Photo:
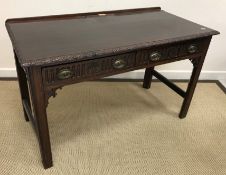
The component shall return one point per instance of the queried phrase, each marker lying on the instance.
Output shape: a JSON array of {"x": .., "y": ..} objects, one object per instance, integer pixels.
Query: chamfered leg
[
  {"x": 23, "y": 86},
  {"x": 197, "y": 63},
  {"x": 148, "y": 77},
  {"x": 39, "y": 107}
]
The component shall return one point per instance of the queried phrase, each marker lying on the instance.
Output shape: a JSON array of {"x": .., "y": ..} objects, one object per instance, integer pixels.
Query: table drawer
[
  {"x": 167, "y": 52},
  {"x": 90, "y": 68}
]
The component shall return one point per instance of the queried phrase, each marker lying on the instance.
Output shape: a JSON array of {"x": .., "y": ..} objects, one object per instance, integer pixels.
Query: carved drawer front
[
  {"x": 90, "y": 68},
  {"x": 167, "y": 52}
]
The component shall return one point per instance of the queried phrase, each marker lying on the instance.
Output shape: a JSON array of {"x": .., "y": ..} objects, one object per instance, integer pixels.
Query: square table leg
[
  {"x": 23, "y": 86},
  {"x": 40, "y": 115},
  {"x": 148, "y": 77},
  {"x": 191, "y": 88},
  {"x": 197, "y": 67}
]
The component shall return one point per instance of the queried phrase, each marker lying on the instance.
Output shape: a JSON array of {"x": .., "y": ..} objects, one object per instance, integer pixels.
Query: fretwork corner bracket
[
  {"x": 195, "y": 61},
  {"x": 51, "y": 92}
]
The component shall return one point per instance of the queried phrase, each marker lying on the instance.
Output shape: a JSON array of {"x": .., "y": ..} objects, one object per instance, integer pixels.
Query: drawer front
[
  {"x": 85, "y": 69},
  {"x": 68, "y": 73},
  {"x": 168, "y": 52}
]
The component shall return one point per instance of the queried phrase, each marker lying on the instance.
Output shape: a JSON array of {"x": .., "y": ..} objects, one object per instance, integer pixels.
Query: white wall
[{"x": 206, "y": 12}]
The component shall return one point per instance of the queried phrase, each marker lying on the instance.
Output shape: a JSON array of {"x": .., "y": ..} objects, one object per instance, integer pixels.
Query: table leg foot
[{"x": 47, "y": 164}]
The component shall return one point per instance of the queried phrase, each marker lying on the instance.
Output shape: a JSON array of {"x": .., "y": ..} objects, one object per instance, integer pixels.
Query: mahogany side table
[{"x": 54, "y": 51}]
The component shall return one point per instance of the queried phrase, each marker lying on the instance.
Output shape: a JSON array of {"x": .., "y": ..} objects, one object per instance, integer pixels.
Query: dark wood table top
[{"x": 66, "y": 38}]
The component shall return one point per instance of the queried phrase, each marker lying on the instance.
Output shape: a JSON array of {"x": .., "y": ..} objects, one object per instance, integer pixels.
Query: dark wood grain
[
  {"x": 170, "y": 84},
  {"x": 148, "y": 77},
  {"x": 97, "y": 68},
  {"x": 39, "y": 106},
  {"x": 83, "y": 15},
  {"x": 197, "y": 67},
  {"x": 23, "y": 86},
  {"x": 66, "y": 39}
]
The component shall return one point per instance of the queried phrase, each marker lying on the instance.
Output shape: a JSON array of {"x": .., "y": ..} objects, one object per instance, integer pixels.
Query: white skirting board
[
  {"x": 139, "y": 74},
  {"x": 8, "y": 73},
  {"x": 175, "y": 75}
]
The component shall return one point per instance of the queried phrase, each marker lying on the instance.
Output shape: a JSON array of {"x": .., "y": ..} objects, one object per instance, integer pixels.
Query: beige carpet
[{"x": 109, "y": 128}]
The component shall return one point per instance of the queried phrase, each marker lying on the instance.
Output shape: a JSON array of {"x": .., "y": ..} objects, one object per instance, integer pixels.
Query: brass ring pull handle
[
  {"x": 155, "y": 56},
  {"x": 119, "y": 64},
  {"x": 192, "y": 48},
  {"x": 64, "y": 74}
]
